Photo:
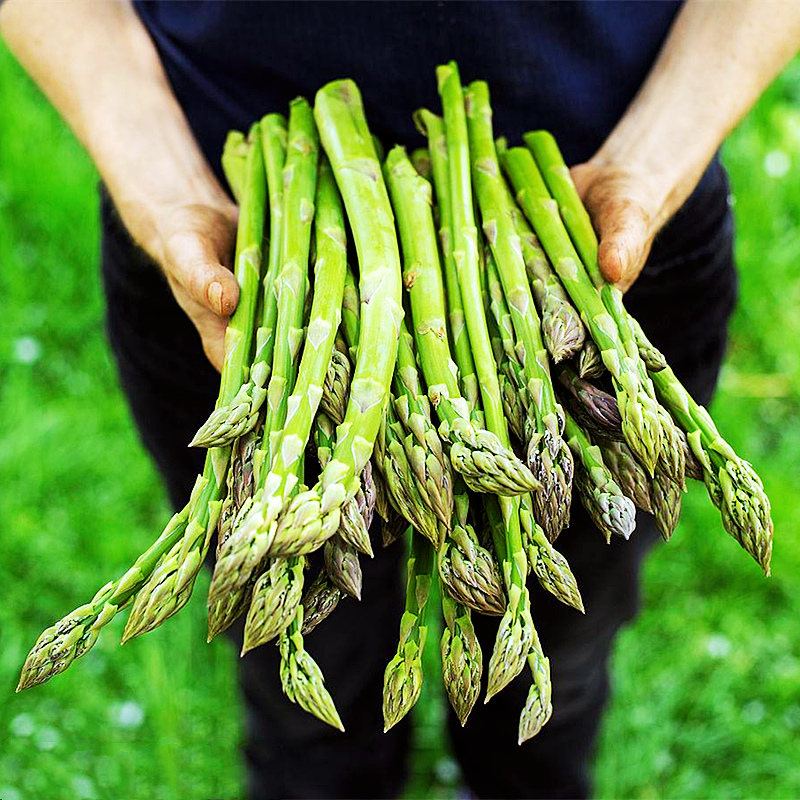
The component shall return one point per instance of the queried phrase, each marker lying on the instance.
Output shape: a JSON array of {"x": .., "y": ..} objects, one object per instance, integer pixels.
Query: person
[{"x": 640, "y": 97}]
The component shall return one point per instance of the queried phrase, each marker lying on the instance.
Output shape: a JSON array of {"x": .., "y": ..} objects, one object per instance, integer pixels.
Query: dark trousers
[{"x": 683, "y": 300}]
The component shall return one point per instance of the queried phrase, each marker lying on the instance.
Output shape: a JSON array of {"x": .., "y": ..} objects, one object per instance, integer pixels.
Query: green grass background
[{"x": 706, "y": 681}]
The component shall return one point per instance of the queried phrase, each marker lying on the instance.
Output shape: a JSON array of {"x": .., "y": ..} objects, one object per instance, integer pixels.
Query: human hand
[
  {"x": 194, "y": 245},
  {"x": 627, "y": 210}
]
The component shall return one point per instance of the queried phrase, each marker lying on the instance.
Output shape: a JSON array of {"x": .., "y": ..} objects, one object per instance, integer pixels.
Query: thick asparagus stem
[{"x": 313, "y": 516}]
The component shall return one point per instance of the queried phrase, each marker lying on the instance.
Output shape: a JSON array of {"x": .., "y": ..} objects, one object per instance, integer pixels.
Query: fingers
[{"x": 198, "y": 250}]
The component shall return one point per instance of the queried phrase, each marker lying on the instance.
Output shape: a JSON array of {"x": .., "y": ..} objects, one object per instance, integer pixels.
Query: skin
[
  {"x": 718, "y": 58},
  {"x": 92, "y": 57}
]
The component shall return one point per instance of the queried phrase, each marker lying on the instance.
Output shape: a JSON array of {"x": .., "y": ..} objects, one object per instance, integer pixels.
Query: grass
[{"x": 706, "y": 701}]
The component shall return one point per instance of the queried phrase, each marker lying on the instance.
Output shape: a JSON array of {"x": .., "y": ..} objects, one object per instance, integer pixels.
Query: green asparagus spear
[
  {"x": 291, "y": 408},
  {"x": 301, "y": 677},
  {"x": 432, "y": 126},
  {"x": 610, "y": 510},
  {"x": 402, "y": 679},
  {"x": 516, "y": 627},
  {"x": 75, "y": 634},
  {"x": 467, "y": 570},
  {"x": 578, "y": 224},
  {"x": 241, "y": 414},
  {"x": 548, "y": 455},
  {"x": 319, "y": 602},
  {"x": 484, "y": 462},
  {"x": 313, "y": 516},
  {"x": 640, "y": 421},
  {"x": 462, "y": 659}
]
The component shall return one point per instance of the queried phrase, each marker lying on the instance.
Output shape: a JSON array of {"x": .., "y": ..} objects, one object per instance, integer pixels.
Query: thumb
[
  {"x": 624, "y": 230},
  {"x": 197, "y": 255}
]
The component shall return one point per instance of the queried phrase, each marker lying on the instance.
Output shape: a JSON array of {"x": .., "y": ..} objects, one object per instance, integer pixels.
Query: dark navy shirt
[{"x": 570, "y": 67}]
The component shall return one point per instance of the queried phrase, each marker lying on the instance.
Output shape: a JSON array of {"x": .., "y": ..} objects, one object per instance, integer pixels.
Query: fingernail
[{"x": 215, "y": 296}]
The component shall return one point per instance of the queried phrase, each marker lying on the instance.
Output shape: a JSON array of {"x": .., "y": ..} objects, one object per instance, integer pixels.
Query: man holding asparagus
[{"x": 640, "y": 96}]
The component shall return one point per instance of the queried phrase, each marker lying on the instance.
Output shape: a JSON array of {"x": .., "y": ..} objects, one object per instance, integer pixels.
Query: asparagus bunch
[{"x": 320, "y": 361}]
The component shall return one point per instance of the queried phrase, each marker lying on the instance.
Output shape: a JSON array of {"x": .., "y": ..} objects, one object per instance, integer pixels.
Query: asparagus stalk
[
  {"x": 563, "y": 331},
  {"x": 550, "y": 567},
  {"x": 640, "y": 421},
  {"x": 301, "y": 677},
  {"x": 548, "y": 455},
  {"x": 234, "y": 160},
  {"x": 538, "y": 705},
  {"x": 291, "y": 408},
  {"x": 552, "y": 508},
  {"x": 578, "y": 224},
  {"x": 590, "y": 362},
  {"x": 731, "y": 482},
  {"x": 424, "y": 448},
  {"x": 462, "y": 659},
  {"x": 351, "y": 312},
  {"x": 432, "y": 126},
  {"x": 481, "y": 458},
  {"x": 313, "y": 516},
  {"x": 407, "y": 495},
  {"x": 612, "y": 512},
  {"x": 336, "y": 386},
  {"x": 667, "y": 497},
  {"x": 402, "y": 679},
  {"x": 356, "y": 512},
  {"x": 241, "y": 414},
  {"x": 343, "y": 566},
  {"x": 75, "y": 634},
  {"x": 170, "y": 585},
  {"x": 275, "y": 598},
  {"x": 516, "y": 627},
  {"x": 421, "y": 159}
]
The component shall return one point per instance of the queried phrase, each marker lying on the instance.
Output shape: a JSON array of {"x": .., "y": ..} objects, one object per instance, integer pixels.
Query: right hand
[{"x": 194, "y": 245}]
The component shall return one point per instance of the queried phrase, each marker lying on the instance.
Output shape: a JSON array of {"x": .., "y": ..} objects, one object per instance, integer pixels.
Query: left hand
[{"x": 627, "y": 210}]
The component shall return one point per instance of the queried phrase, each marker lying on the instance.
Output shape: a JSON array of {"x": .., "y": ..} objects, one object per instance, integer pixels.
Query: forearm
[
  {"x": 718, "y": 58},
  {"x": 97, "y": 65}
]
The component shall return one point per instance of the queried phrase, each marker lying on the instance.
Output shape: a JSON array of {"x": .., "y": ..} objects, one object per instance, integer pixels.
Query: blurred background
[{"x": 706, "y": 699}]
